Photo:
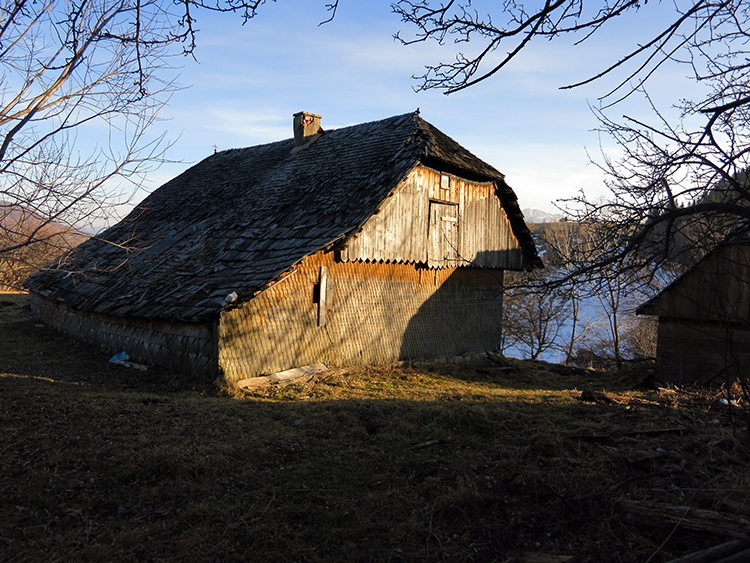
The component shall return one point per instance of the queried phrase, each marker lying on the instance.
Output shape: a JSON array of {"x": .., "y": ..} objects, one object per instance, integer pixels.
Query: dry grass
[{"x": 102, "y": 463}]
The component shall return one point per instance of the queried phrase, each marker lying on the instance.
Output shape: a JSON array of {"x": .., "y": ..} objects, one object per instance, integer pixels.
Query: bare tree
[
  {"x": 533, "y": 316},
  {"x": 609, "y": 328},
  {"x": 639, "y": 337},
  {"x": 567, "y": 244},
  {"x": 72, "y": 72},
  {"x": 612, "y": 294},
  {"x": 512, "y": 25},
  {"x": 659, "y": 206},
  {"x": 676, "y": 192}
]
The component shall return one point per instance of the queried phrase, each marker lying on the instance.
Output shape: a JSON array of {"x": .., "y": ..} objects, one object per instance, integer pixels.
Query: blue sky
[{"x": 249, "y": 80}]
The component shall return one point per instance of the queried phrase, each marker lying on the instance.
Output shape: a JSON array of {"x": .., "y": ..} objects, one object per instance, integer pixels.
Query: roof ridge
[{"x": 240, "y": 218}]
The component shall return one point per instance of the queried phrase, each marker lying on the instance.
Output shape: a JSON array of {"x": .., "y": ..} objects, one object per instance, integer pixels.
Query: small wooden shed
[
  {"x": 366, "y": 244},
  {"x": 704, "y": 318}
]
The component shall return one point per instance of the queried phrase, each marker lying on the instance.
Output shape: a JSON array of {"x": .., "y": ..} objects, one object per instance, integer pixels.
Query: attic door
[{"x": 442, "y": 235}]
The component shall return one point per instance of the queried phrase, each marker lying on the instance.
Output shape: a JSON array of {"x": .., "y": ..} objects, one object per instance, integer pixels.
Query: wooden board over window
[
  {"x": 445, "y": 187},
  {"x": 442, "y": 235}
]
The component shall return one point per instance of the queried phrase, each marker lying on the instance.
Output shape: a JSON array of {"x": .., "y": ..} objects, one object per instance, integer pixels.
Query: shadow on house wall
[
  {"x": 375, "y": 313},
  {"x": 464, "y": 314}
]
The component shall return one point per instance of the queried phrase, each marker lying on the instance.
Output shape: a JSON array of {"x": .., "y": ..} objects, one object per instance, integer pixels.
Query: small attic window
[{"x": 445, "y": 186}]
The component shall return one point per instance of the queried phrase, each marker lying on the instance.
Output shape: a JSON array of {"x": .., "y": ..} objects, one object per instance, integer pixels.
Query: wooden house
[
  {"x": 704, "y": 319},
  {"x": 365, "y": 244}
]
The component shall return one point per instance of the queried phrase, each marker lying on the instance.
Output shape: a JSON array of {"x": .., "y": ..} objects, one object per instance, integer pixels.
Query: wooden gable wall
[
  {"x": 441, "y": 220},
  {"x": 716, "y": 289}
]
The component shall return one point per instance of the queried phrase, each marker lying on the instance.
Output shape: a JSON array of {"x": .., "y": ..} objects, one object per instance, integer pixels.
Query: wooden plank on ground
[{"x": 282, "y": 377}]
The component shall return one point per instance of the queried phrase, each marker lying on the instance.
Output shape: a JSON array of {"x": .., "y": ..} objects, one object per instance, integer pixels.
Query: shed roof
[{"x": 241, "y": 218}]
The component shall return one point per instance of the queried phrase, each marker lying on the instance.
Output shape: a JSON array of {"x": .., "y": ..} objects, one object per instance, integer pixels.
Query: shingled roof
[{"x": 241, "y": 218}]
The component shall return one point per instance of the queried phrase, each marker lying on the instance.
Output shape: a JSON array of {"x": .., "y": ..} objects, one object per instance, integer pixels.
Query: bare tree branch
[{"x": 69, "y": 66}]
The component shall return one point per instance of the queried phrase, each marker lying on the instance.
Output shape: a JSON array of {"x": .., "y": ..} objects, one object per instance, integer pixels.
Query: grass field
[{"x": 103, "y": 463}]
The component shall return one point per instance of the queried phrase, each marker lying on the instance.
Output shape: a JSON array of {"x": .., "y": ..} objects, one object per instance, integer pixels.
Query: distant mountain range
[
  {"x": 40, "y": 240},
  {"x": 539, "y": 216},
  {"x": 16, "y": 223}
]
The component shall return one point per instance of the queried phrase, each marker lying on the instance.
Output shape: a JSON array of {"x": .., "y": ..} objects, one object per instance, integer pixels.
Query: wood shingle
[{"x": 241, "y": 218}]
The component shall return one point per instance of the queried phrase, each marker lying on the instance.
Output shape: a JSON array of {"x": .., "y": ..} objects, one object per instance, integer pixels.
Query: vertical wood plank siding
[
  {"x": 184, "y": 347},
  {"x": 704, "y": 320},
  {"x": 375, "y": 313},
  {"x": 703, "y": 353},
  {"x": 399, "y": 231}
]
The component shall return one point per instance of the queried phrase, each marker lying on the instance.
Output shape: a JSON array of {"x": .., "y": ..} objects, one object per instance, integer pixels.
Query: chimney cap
[
  {"x": 308, "y": 113},
  {"x": 306, "y": 128}
]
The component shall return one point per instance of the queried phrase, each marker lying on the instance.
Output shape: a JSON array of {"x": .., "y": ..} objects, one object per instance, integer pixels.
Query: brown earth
[{"x": 527, "y": 462}]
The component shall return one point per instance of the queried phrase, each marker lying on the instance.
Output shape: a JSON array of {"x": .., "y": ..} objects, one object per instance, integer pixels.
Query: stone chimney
[{"x": 306, "y": 128}]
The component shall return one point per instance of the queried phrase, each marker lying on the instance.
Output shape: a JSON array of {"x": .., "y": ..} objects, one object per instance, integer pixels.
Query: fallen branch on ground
[
  {"x": 713, "y": 554},
  {"x": 661, "y": 515}
]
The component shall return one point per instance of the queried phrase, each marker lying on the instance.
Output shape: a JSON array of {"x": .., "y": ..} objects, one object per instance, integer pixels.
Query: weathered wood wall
[
  {"x": 440, "y": 220},
  {"x": 371, "y": 313},
  {"x": 716, "y": 289},
  {"x": 184, "y": 347},
  {"x": 704, "y": 320},
  {"x": 701, "y": 352}
]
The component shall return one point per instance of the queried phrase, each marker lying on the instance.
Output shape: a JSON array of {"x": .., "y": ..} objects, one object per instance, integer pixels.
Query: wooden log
[
  {"x": 655, "y": 432},
  {"x": 741, "y": 557},
  {"x": 711, "y": 554},
  {"x": 533, "y": 557},
  {"x": 664, "y": 515},
  {"x": 296, "y": 373}
]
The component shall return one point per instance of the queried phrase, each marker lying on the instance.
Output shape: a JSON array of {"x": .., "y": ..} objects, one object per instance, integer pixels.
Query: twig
[
  {"x": 433, "y": 534},
  {"x": 655, "y": 432},
  {"x": 693, "y": 489},
  {"x": 273, "y": 497},
  {"x": 630, "y": 434},
  {"x": 425, "y": 444},
  {"x": 674, "y": 529},
  {"x": 627, "y": 481},
  {"x": 678, "y": 390},
  {"x": 717, "y": 478}
]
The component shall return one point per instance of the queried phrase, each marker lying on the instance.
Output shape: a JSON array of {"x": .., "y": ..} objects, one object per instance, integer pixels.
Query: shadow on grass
[
  {"x": 29, "y": 348},
  {"x": 102, "y": 463},
  {"x": 97, "y": 473},
  {"x": 32, "y": 349}
]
